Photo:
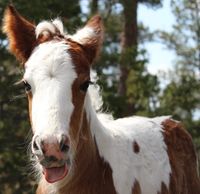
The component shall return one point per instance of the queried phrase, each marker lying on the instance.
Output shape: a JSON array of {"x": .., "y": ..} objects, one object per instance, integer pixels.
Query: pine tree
[
  {"x": 128, "y": 87},
  {"x": 181, "y": 97}
]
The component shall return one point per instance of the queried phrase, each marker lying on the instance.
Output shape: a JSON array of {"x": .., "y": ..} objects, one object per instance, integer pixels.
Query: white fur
[
  {"x": 84, "y": 35},
  {"x": 50, "y": 73},
  {"x": 52, "y": 27},
  {"x": 94, "y": 91},
  {"x": 59, "y": 25},
  {"x": 150, "y": 167}
]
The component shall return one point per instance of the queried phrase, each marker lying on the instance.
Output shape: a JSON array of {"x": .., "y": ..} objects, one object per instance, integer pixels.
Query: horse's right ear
[{"x": 20, "y": 33}]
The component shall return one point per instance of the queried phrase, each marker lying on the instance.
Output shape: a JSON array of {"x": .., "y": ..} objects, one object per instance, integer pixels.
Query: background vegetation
[{"x": 128, "y": 88}]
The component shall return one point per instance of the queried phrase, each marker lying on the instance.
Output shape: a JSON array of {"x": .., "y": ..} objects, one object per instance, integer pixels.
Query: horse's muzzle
[{"x": 53, "y": 154}]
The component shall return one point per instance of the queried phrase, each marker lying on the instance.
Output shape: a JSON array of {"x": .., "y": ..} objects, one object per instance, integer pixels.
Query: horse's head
[{"x": 56, "y": 78}]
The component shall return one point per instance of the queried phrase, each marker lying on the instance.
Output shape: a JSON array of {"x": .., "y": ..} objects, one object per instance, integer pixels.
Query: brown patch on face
[
  {"x": 136, "y": 147},
  {"x": 83, "y": 73},
  {"x": 136, "y": 188},
  {"x": 184, "y": 178},
  {"x": 82, "y": 63},
  {"x": 77, "y": 52},
  {"x": 20, "y": 32},
  {"x": 78, "y": 98}
]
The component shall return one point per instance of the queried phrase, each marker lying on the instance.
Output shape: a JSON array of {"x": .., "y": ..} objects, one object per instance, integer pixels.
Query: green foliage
[
  {"x": 141, "y": 87},
  {"x": 181, "y": 97},
  {"x": 13, "y": 130},
  {"x": 37, "y": 10}
]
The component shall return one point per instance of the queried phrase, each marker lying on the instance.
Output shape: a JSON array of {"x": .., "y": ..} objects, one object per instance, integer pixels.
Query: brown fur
[
  {"x": 184, "y": 178},
  {"x": 136, "y": 147},
  {"x": 46, "y": 36},
  {"x": 136, "y": 188},
  {"x": 20, "y": 32},
  {"x": 164, "y": 189}
]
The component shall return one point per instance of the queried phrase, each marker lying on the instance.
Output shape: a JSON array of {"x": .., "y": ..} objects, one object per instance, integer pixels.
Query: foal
[{"x": 80, "y": 151}]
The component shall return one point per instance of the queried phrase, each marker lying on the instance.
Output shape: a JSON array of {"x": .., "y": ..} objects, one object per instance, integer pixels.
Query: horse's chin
[{"x": 55, "y": 174}]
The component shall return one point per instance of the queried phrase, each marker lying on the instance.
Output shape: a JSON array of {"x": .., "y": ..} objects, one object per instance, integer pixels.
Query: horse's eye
[
  {"x": 27, "y": 86},
  {"x": 84, "y": 86}
]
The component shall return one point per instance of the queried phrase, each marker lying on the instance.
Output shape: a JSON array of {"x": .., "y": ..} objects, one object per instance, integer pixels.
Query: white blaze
[{"x": 50, "y": 73}]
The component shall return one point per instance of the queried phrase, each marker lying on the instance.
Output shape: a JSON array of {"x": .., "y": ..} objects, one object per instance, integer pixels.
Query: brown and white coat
[{"x": 80, "y": 151}]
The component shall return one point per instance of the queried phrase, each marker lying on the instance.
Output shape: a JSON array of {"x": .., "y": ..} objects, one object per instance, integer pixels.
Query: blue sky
[{"x": 160, "y": 58}]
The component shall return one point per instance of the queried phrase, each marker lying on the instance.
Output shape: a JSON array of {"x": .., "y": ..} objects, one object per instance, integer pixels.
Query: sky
[{"x": 160, "y": 58}]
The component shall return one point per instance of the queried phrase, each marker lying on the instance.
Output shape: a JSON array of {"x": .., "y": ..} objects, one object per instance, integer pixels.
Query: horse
[{"x": 77, "y": 149}]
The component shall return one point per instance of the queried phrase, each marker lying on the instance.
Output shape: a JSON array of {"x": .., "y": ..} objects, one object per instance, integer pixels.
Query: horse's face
[
  {"x": 55, "y": 86},
  {"x": 56, "y": 78}
]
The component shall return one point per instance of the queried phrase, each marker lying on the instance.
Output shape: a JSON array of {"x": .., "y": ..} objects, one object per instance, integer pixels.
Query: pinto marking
[
  {"x": 136, "y": 147},
  {"x": 77, "y": 149}
]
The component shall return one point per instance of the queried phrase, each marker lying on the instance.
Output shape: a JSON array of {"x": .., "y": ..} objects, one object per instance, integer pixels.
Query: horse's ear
[
  {"x": 20, "y": 33},
  {"x": 90, "y": 37}
]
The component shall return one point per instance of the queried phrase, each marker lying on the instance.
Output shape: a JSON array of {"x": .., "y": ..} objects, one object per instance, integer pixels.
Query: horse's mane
[{"x": 95, "y": 92}]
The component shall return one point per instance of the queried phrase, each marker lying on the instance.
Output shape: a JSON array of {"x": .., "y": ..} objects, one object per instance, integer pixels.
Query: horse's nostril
[
  {"x": 64, "y": 148},
  {"x": 36, "y": 147},
  {"x": 64, "y": 144}
]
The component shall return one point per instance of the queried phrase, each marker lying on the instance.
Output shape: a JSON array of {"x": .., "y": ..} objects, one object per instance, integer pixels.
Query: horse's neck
[
  {"x": 89, "y": 167},
  {"x": 99, "y": 132},
  {"x": 87, "y": 152}
]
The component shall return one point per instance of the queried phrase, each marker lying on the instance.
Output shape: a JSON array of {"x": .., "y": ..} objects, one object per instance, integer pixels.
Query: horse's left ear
[
  {"x": 20, "y": 33},
  {"x": 90, "y": 37}
]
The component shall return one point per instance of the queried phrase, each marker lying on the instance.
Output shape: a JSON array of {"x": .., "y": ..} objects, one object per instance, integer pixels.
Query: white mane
[{"x": 95, "y": 92}]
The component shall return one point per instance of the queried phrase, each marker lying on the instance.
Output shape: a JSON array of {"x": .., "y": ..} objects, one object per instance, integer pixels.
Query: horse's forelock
[{"x": 48, "y": 30}]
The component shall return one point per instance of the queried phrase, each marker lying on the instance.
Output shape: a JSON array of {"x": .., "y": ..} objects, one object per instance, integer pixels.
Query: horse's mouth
[{"x": 55, "y": 174}]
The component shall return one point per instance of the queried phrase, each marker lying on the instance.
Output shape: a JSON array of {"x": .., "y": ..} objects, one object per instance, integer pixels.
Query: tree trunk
[
  {"x": 128, "y": 40},
  {"x": 93, "y": 7}
]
